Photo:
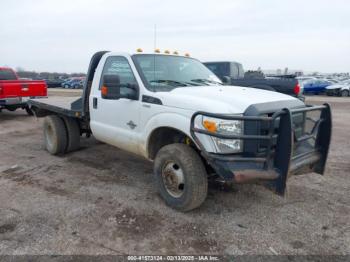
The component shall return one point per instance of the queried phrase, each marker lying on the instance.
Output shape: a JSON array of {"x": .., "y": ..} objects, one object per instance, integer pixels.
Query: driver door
[{"x": 116, "y": 121}]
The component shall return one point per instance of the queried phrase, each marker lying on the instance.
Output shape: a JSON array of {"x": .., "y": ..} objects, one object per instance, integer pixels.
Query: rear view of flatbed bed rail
[{"x": 190, "y": 126}]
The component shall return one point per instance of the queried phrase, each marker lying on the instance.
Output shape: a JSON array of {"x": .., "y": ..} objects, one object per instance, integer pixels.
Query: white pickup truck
[{"x": 173, "y": 111}]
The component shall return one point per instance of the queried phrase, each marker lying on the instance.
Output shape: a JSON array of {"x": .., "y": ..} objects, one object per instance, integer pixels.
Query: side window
[{"x": 118, "y": 65}]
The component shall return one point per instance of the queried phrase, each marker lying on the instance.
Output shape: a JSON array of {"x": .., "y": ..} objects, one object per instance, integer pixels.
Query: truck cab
[
  {"x": 175, "y": 112},
  {"x": 157, "y": 93}
]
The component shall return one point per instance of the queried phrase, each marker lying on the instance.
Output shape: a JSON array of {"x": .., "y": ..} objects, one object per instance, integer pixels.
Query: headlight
[{"x": 224, "y": 127}]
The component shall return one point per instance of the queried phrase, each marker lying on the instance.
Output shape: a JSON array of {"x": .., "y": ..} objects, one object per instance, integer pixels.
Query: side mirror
[
  {"x": 111, "y": 88},
  {"x": 226, "y": 80}
]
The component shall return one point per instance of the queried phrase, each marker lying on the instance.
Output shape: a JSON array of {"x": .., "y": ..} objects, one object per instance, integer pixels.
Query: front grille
[
  {"x": 264, "y": 130},
  {"x": 298, "y": 121}
]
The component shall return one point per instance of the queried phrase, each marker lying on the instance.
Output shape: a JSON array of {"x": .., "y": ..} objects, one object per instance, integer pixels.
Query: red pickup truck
[{"x": 14, "y": 92}]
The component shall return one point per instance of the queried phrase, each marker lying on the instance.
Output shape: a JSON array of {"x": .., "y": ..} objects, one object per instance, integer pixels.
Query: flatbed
[{"x": 69, "y": 106}]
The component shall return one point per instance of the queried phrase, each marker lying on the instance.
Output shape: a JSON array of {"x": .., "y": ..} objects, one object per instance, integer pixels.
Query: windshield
[{"x": 165, "y": 72}]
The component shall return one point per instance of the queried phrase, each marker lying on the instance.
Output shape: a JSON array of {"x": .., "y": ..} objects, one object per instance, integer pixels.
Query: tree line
[{"x": 47, "y": 75}]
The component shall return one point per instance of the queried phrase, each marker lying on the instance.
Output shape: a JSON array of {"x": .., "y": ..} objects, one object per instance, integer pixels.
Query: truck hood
[{"x": 222, "y": 99}]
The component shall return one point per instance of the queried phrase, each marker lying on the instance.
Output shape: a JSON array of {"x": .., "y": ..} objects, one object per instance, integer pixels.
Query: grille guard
[{"x": 273, "y": 166}]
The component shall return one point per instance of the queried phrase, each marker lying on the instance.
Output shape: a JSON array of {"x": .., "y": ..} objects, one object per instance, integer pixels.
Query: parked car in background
[
  {"x": 305, "y": 78},
  {"x": 53, "y": 83},
  {"x": 333, "y": 81},
  {"x": 316, "y": 86},
  {"x": 74, "y": 83},
  {"x": 232, "y": 73},
  {"x": 339, "y": 89},
  {"x": 14, "y": 92}
]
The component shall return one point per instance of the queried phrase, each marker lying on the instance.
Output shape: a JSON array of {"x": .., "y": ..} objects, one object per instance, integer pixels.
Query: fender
[{"x": 164, "y": 120}]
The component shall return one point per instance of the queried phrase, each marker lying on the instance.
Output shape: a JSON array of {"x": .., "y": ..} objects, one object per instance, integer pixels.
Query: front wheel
[{"x": 181, "y": 177}]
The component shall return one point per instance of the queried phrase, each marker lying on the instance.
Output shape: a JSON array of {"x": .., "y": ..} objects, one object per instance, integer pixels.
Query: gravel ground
[{"x": 100, "y": 200}]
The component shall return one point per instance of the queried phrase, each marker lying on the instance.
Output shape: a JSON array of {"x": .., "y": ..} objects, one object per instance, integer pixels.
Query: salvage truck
[{"x": 175, "y": 112}]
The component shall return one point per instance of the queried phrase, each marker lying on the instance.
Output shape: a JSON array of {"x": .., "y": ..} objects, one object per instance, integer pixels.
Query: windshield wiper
[
  {"x": 206, "y": 81},
  {"x": 171, "y": 82}
]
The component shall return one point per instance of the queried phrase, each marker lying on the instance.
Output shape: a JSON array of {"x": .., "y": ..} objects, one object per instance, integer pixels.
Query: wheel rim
[
  {"x": 173, "y": 179},
  {"x": 49, "y": 136}
]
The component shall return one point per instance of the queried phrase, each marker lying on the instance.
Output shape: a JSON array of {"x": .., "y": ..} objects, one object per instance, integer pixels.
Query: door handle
[{"x": 94, "y": 102}]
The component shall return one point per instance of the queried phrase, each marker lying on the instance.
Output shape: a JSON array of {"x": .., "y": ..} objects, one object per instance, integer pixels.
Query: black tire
[
  {"x": 194, "y": 188},
  {"x": 55, "y": 135},
  {"x": 344, "y": 93},
  {"x": 29, "y": 111},
  {"x": 11, "y": 108},
  {"x": 73, "y": 134}
]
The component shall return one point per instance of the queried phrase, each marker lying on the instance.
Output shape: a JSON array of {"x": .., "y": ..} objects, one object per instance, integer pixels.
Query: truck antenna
[
  {"x": 154, "y": 56},
  {"x": 155, "y": 36}
]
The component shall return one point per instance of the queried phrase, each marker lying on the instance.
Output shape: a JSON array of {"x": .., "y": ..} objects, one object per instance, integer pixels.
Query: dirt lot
[{"x": 101, "y": 200}]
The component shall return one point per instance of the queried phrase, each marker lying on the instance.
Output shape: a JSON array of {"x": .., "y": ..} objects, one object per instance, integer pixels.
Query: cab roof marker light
[
  {"x": 139, "y": 50},
  {"x": 157, "y": 50},
  {"x": 175, "y": 52},
  {"x": 187, "y": 54},
  {"x": 167, "y": 52}
]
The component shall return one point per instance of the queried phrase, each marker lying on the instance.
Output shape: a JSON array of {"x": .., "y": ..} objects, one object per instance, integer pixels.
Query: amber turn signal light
[
  {"x": 210, "y": 126},
  {"x": 104, "y": 90}
]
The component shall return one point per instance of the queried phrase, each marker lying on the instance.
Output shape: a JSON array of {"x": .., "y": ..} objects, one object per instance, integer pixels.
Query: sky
[{"x": 62, "y": 35}]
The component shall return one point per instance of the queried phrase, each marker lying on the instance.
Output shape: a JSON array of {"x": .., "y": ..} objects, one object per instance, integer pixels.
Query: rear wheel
[
  {"x": 73, "y": 134},
  {"x": 55, "y": 135},
  {"x": 181, "y": 177},
  {"x": 344, "y": 93}
]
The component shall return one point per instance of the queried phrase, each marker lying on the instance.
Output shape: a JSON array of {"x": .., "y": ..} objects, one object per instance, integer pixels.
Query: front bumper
[{"x": 287, "y": 150}]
